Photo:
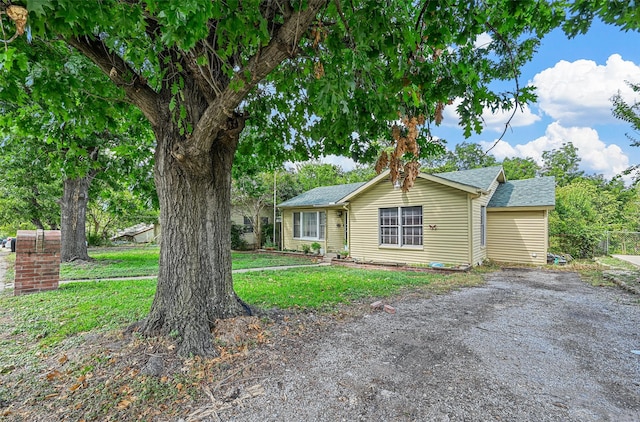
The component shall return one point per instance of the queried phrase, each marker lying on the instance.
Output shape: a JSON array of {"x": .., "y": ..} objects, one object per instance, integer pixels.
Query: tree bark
[
  {"x": 195, "y": 284},
  {"x": 73, "y": 219}
]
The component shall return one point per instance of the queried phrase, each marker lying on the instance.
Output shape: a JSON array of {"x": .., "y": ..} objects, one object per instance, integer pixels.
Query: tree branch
[
  {"x": 517, "y": 82},
  {"x": 121, "y": 74},
  {"x": 282, "y": 46}
]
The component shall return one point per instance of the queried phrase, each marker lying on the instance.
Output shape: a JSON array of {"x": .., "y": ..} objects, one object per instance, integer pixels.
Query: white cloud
[
  {"x": 492, "y": 121},
  {"x": 597, "y": 157},
  {"x": 483, "y": 40},
  {"x": 579, "y": 93},
  {"x": 346, "y": 164}
]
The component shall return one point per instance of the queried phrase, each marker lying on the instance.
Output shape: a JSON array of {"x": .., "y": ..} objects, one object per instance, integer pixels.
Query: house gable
[{"x": 475, "y": 181}]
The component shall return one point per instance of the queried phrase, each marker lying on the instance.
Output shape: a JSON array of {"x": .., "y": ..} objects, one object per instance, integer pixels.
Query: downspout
[
  {"x": 470, "y": 225},
  {"x": 275, "y": 211},
  {"x": 348, "y": 223}
]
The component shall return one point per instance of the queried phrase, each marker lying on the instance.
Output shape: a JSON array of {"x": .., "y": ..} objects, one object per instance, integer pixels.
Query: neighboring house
[
  {"x": 140, "y": 233},
  {"x": 461, "y": 217},
  {"x": 239, "y": 217}
]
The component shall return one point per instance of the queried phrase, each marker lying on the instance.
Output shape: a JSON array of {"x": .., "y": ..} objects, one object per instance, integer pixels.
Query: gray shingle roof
[
  {"x": 538, "y": 192},
  {"x": 324, "y": 195},
  {"x": 481, "y": 178}
]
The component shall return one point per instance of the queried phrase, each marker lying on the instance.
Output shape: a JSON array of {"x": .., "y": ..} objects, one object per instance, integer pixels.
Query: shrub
[
  {"x": 97, "y": 240},
  {"x": 237, "y": 241},
  {"x": 267, "y": 234}
]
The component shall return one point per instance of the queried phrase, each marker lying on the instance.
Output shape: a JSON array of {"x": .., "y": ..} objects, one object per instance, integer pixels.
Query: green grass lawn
[
  {"x": 323, "y": 288},
  {"x": 49, "y": 317},
  {"x": 143, "y": 261},
  {"x": 74, "y": 308},
  {"x": 113, "y": 263}
]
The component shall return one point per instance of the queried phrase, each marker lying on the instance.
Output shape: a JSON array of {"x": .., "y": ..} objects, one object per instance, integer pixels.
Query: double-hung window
[
  {"x": 248, "y": 225},
  {"x": 309, "y": 225},
  {"x": 400, "y": 226}
]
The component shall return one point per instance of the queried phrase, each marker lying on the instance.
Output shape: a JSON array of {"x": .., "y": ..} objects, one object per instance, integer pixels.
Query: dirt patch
[{"x": 529, "y": 345}]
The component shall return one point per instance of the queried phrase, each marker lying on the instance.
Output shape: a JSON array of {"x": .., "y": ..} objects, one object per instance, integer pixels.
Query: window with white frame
[
  {"x": 309, "y": 225},
  {"x": 483, "y": 225},
  {"x": 401, "y": 226}
]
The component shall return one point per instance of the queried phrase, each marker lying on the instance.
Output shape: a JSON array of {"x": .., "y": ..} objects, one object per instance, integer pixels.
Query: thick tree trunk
[
  {"x": 257, "y": 229},
  {"x": 195, "y": 286},
  {"x": 73, "y": 219}
]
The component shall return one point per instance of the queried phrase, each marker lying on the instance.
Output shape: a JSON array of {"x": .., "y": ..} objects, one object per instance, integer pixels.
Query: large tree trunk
[
  {"x": 193, "y": 166},
  {"x": 73, "y": 218},
  {"x": 195, "y": 286}
]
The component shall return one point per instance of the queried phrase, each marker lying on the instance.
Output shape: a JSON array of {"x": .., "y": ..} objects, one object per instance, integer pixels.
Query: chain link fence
[{"x": 622, "y": 243}]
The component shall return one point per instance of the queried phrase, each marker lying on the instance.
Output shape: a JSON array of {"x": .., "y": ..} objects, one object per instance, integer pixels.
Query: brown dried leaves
[
  {"x": 405, "y": 138},
  {"x": 18, "y": 15}
]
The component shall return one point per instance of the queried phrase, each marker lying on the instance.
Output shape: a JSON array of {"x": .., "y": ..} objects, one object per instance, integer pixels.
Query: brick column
[{"x": 37, "y": 261}]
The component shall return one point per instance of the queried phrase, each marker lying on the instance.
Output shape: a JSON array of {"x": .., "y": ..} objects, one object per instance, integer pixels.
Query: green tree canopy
[
  {"x": 465, "y": 156},
  {"x": 629, "y": 113},
  {"x": 520, "y": 168},
  {"x": 580, "y": 217},
  {"x": 562, "y": 163}
]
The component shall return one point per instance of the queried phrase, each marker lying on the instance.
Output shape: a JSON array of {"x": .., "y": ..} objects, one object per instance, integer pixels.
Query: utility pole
[{"x": 274, "y": 207}]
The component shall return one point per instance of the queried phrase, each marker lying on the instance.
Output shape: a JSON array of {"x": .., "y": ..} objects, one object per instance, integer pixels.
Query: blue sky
[{"x": 575, "y": 80}]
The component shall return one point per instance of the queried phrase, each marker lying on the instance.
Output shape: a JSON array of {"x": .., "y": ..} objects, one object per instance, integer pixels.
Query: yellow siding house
[{"x": 461, "y": 217}]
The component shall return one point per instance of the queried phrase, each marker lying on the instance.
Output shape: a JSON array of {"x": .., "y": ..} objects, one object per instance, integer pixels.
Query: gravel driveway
[{"x": 528, "y": 346}]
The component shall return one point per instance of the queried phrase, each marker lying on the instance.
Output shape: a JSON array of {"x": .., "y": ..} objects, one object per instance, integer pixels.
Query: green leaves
[
  {"x": 11, "y": 57},
  {"x": 38, "y": 6}
]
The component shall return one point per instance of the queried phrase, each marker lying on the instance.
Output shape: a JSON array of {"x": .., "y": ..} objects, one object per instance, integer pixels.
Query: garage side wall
[{"x": 517, "y": 236}]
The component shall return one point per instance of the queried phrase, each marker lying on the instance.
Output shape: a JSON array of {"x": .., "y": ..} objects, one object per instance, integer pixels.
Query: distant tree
[
  {"x": 117, "y": 204},
  {"x": 252, "y": 194},
  {"x": 465, "y": 156},
  {"x": 313, "y": 174},
  {"x": 288, "y": 185},
  {"x": 30, "y": 190},
  {"x": 70, "y": 132},
  {"x": 580, "y": 218},
  {"x": 562, "y": 163},
  {"x": 362, "y": 173},
  {"x": 629, "y": 113},
  {"x": 520, "y": 168},
  {"x": 620, "y": 213},
  {"x": 631, "y": 209}
]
